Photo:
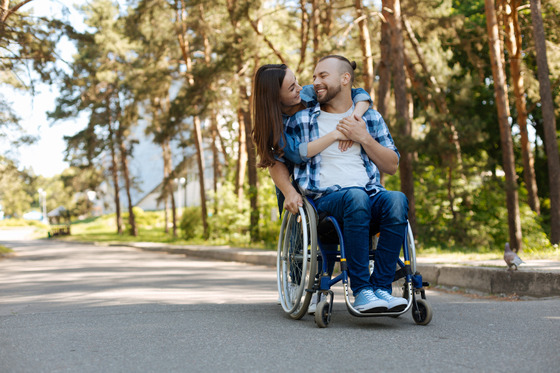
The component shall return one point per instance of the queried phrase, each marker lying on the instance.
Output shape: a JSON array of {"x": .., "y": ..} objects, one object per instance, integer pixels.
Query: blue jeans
[{"x": 385, "y": 212}]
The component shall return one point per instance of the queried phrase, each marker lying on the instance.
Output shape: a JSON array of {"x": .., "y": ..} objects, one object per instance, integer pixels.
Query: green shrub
[
  {"x": 231, "y": 222},
  {"x": 191, "y": 223}
]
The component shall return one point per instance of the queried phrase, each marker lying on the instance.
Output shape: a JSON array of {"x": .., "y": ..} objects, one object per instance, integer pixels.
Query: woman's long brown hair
[{"x": 268, "y": 127}]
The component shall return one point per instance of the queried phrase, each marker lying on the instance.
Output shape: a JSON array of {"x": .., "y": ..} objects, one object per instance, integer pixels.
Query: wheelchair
[{"x": 305, "y": 264}]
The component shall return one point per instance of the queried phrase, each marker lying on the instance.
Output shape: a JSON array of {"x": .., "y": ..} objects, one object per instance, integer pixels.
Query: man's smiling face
[{"x": 327, "y": 80}]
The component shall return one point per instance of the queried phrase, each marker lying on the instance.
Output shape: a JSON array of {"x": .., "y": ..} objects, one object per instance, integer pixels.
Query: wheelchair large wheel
[{"x": 296, "y": 263}]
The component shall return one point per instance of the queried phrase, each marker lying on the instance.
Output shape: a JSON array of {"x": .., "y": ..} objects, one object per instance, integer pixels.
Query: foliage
[
  {"x": 130, "y": 68},
  {"x": 16, "y": 193},
  {"x": 231, "y": 222},
  {"x": 191, "y": 225}
]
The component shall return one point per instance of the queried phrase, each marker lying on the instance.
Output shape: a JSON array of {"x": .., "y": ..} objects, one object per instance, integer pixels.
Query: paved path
[
  {"x": 84, "y": 308},
  {"x": 535, "y": 278}
]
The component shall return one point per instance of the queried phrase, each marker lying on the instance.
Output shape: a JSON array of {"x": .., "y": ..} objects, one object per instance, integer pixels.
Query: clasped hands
[{"x": 351, "y": 129}]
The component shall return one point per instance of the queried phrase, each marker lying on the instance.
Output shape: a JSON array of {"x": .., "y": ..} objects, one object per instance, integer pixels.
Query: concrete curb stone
[{"x": 492, "y": 280}]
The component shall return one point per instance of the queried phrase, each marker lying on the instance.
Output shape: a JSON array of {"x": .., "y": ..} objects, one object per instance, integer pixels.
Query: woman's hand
[
  {"x": 293, "y": 202},
  {"x": 344, "y": 145},
  {"x": 343, "y": 142}
]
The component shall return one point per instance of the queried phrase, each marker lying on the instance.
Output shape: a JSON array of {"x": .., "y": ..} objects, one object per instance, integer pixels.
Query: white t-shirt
[{"x": 346, "y": 168}]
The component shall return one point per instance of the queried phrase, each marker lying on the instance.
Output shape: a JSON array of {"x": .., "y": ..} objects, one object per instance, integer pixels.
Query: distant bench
[{"x": 59, "y": 230}]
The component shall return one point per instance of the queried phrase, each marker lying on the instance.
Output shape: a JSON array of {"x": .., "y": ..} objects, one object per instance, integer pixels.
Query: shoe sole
[
  {"x": 375, "y": 310},
  {"x": 399, "y": 308}
]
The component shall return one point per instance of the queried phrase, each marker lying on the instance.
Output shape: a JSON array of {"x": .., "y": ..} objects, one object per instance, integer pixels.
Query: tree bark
[
  {"x": 168, "y": 182},
  {"x": 315, "y": 22},
  {"x": 384, "y": 72},
  {"x": 6, "y": 11},
  {"x": 549, "y": 121},
  {"x": 114, "y": 167},
  {"x": 502, "y": 104},
  {"x": 304, "y": 36},
  {"x": 384, "y": 69},
  {"x": 513, "y": 44},
  {"x": 126, "y": 177},
  {"x": 404, "y": 123},
  {"x": 365, "y": 46},
  {"x": 241, "y": 157},
  {"x": 252, "y": 172},
  {"x": 184, "y": 45}
]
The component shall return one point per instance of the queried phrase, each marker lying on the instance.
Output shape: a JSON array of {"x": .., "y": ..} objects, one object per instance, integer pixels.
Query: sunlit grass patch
[{"x": 5, "y": 251}]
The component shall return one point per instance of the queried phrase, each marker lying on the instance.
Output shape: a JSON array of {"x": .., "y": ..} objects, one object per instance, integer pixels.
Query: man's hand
[
  {"x": 293, "y": 202},
  {"x": 354, "y": 128}
]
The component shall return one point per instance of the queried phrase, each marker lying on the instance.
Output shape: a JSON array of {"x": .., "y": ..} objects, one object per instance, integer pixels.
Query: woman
[{"x": 277, "y": 96}]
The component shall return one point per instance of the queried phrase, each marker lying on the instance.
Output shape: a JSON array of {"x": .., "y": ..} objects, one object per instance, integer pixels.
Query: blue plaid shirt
[{"x": 303, "y": 126}]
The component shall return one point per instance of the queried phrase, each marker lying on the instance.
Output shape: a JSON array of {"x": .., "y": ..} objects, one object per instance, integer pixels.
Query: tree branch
[{"x": 6, "y": 13}]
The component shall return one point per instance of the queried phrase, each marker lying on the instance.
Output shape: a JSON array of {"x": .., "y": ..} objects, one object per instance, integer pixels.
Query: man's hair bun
[{"x": 353, "y": 64}]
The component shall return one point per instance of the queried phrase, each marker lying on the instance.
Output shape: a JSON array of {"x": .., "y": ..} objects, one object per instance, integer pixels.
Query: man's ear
[{"x": 346, "y": 79}]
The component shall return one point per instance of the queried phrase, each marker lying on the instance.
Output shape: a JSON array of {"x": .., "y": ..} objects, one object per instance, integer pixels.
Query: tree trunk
[
  {"x": 200, "y": 162},
  {"x": 114, "y": 169},
  {"x": 216, "y": 164},
  {"x": 315, "y": 22},
  {"x": 251, "y": 167},
  {"x": 126, "y": 177},
  {"x": 165, "y": 210},
  {"x": 549, "y": 121},
  {"x": 184, "y": 45},
  {"x": 304, "y": 36},
  {"x": 384, "y": 71},
  {"x": 241, "y": 156},
  {"x": 168, "y": 183},
  {"x": 502, "y": 104},
  {"x": 404, "y": 123},
  {"x": 365, "y": 46},
  {"x": 513, "y": 44}
]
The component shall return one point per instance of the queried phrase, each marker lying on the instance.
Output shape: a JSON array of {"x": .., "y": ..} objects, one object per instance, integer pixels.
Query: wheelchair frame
[{"x": 298, "y": 276}]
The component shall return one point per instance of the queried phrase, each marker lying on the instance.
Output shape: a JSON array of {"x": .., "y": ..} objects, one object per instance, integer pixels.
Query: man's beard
[{"x": 331, "y": 93}]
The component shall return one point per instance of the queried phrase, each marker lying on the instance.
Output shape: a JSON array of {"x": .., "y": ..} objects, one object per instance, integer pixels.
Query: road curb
[
  {"x": 493, "y": 280},
  {"x": 490, "y": 280}
]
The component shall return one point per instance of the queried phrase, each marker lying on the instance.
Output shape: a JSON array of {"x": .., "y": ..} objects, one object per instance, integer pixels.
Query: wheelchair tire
[
  {"x": 296, "y": 264},
  {"x": 422, "y": 314},
  {"x": 322, "y": 314}
]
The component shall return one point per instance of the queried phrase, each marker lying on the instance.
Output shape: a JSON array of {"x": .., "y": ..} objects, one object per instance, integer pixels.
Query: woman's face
[{"x": 289, "y": 91}]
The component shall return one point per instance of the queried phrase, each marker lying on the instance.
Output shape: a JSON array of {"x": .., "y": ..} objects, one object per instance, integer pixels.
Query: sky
[{"x": 46, "y": 156}]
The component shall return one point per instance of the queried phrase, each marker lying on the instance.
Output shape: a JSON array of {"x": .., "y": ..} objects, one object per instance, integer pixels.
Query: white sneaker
[
  {"x": 366, "y": 301},
  {"x": 396, "y": 304}
]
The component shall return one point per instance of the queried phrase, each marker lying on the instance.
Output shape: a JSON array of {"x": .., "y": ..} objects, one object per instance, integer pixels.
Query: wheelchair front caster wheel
[
  {"x": 322, "y": 316},
  {"x": 421, "y": 312}
]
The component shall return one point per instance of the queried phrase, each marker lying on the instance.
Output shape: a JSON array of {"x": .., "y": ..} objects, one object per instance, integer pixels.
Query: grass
[
  {"x": 5, "y": 251},
  {"x": 18, "y": 223},
  {"x": 151, "y": 229},
  {"x": 552, "y": 253}
]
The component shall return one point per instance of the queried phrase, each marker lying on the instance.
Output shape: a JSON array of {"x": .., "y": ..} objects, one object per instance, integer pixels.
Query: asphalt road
[{"x": 85, "y": 308}]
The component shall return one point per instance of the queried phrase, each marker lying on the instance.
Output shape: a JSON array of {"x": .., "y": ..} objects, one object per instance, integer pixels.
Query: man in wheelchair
[{"x": 345, "y": 184}]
